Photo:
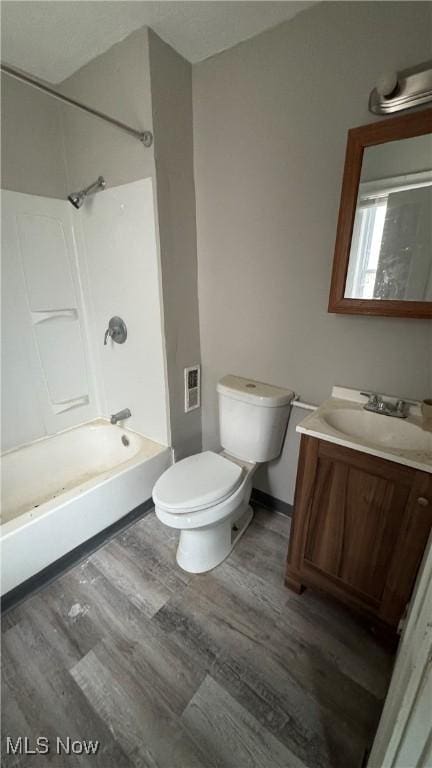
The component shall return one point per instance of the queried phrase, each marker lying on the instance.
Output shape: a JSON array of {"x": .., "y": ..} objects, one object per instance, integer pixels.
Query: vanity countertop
[{"x": 342, "y": 420}]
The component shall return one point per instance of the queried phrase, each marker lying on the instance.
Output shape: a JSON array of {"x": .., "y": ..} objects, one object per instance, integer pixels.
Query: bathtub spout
[{"x": 121, "y": 416}]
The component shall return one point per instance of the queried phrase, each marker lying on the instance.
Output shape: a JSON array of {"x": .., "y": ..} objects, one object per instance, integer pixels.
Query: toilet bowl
[{"x": 206, "y": 496}]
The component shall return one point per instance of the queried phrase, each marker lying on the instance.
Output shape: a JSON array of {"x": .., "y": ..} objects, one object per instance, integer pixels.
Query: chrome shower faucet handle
[{"x": 116, "y": 330}]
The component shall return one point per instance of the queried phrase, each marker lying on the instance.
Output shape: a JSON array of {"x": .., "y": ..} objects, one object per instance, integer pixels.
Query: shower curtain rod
[{"x": 145, "y": 137}]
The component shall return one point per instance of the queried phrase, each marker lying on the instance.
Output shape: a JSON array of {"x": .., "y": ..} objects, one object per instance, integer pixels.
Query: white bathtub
[{"x": 59, "y": 491}]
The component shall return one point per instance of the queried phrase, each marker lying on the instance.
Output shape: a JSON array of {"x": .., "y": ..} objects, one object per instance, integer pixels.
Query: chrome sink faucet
[
  {"x": 121, "y": 416},
  {"x": 376, "y": 404}
]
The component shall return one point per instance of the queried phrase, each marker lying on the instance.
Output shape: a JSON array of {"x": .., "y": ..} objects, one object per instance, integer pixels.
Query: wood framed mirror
[{"x": 383, "y": 255}]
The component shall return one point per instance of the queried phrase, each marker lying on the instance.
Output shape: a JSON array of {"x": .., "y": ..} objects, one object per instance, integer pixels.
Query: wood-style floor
[{"x": 165, "y": 669}]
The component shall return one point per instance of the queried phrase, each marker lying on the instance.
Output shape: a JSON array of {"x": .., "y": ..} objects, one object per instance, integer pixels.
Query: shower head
[{"x": 78, "y": 198}]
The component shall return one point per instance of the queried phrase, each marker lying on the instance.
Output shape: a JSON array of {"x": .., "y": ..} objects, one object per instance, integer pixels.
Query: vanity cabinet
[{"x": 359, "y": 530}]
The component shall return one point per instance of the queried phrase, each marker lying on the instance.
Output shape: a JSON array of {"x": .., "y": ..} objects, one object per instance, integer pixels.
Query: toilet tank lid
[{"x": 254, "y": 392}]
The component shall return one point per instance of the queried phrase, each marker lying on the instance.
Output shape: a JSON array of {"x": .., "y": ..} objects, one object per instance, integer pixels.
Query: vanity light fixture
[{"x": 395, "y": 91}]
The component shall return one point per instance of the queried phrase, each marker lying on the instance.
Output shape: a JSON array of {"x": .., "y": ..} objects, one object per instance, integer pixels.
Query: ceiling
[{"x": 52, "y": 39}]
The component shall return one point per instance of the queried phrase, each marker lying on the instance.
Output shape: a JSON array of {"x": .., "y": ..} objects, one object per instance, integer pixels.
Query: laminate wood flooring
[{"x": 167, "y": 670}]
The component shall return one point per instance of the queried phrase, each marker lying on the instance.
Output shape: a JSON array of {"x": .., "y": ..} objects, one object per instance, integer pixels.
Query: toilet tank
[{"x": 252, "y": 418}]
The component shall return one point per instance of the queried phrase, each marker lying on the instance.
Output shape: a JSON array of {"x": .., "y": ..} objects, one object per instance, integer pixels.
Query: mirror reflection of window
[
  {"x": 366, "y": 244},
  {"x": 391, "y": 247}
]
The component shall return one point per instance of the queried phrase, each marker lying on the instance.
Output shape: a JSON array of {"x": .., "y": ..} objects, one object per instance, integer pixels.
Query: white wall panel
[
  {"x": 120, "y": 273},
  {"x": 61, "y": 352},
  {"x": 65, "y": 273},
  {"x": 45, "y": 258},
  {"x": 47, "y": 381},
  {"x": 21, "y": 414}
]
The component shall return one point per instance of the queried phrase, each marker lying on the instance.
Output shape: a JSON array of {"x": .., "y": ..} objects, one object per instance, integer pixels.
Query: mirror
[
  {"x": 383, "y": 255},
  {"x": 391, "y": 247}
]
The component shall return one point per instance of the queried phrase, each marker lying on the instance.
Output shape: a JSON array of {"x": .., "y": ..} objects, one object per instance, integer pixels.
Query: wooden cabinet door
[
  {"x": 408, "y": 552},
  {"x": 359, "y": 529},
  {"x": 356, "y": 510}
]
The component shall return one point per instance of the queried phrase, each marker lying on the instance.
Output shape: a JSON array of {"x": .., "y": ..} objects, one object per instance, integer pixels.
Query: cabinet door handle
[{"x": 423, "y": 501}]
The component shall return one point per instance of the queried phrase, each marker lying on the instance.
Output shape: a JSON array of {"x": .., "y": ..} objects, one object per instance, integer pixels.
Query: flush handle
[{"x": 422, "y": 501}]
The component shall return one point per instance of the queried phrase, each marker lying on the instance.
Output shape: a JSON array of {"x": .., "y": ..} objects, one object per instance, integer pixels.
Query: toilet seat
[{"x": 196, "y": 483}]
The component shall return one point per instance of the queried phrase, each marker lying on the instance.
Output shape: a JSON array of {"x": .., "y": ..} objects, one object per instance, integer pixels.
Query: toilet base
[{"x": 202, "y": 549}]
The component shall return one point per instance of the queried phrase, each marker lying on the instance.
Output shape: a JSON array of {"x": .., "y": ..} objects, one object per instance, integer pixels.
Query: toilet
[{"x": 206, "y": 496}]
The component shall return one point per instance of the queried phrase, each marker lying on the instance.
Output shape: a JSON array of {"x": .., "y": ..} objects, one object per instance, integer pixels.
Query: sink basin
[
  {"x": 343, "y": 420},
  {"x": 379, "y": 430}
]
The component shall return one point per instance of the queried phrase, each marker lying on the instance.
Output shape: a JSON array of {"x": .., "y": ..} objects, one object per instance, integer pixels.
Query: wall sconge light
[{"x": 396, "y": 91}]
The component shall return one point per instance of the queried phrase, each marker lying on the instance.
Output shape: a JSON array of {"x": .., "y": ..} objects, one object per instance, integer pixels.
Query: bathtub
[{"x": 59, "y": 491}]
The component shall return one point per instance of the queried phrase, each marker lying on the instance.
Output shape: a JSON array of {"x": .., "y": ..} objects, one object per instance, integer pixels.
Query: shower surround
[
  {"x": 65, "y": 272},
  {"x": 67, "y": 474}
]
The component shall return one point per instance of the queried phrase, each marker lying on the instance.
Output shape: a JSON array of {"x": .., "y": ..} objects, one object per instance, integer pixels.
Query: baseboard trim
[
  {"x": 271, "y": 502},
  {"x": 72, "y": 558}
]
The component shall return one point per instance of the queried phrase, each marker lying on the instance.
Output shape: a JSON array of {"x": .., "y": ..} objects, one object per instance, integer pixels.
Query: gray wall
[
  {"x": 118, "y": 83},
  {"x": 270, "y": 123},
  {"x": 51, "y": 149},
  {"x": 171, "y": 82},
  {"x": 32, "y": 149}
]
